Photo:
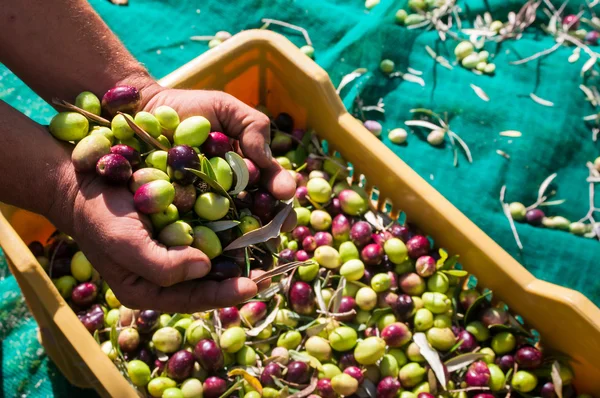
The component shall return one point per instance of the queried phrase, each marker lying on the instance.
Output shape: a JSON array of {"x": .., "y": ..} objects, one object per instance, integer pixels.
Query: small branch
[
  {"x": 268, "y": 21},
  {"x": 537, "y": 55}
]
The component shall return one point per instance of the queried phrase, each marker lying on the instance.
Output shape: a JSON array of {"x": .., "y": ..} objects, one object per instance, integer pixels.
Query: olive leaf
[
  {"x": 263, "y": 234},
  {"x": 141, "y": 133},
  {"x": 520, "y": 331},
  {"x": 309, "y": 389},
  {"x": 367, "y": 389},
  {"x": 461, "y": 361},
  {"x": 114, "y": 341},
  {"x": 541, "y": 101},
  {"x": 97, "y": 337},
  {"x": 224, "y": 225},
  {"x": 480, "y": 93},
  {"x": 234, "y": 387},
  {"x": 456, "y": 272},
  {"x": 556, "y": 379},
  {"x": 90, "y": 116},
  {"x": 442, "y": 259},
  {"x": 472, "y": 310},
  {"x": 206, "y": 168},
  {"x": 336, "y": 301},
  {"x": 303, "y": 357},
  {"x": 319, "y": 295},
  {"x": 253, "y": 381},
  {"x": 431, "y": 356},
  {"x": 174, "y": 319},
  {"x": 422, "y": 123},
  {"x": 214, "y": 184},
  {"x": 240, "y": 169},
  {"x": 282, "y": 269},
  {"x": 349, "y": 78},
  {"x": 377, "y": 314},
  {"x": 375, "y": 220},
  {"x": 255, "y": 331}
]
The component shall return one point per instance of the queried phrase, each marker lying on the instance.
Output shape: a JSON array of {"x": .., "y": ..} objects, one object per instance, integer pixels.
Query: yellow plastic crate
[{"x": 261, "y": 67}]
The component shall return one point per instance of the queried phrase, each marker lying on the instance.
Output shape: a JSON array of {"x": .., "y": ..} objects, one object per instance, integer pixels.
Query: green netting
[{"x": 346, "y": 37}]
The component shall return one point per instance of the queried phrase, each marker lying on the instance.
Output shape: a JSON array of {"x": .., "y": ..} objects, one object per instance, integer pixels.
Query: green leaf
[
  {"x": 263, "y": 234},
  {"x": 206, "y": 168},
  {"x": 456, "y": 272},
  {"x": 240, "y": 169},
  {"x": 511, "y": 329},
  {"x": 312, "y": 361},
  {"x": 114, "y": 340},
  {"x": 223, "y": 225},
  {"x": 234, "y": 387},
  {"x": 461, "y": 361},
  {"x": 451, "y": 262},
  {"x": 97, "y": 337},
  {"x": 247, "y": 258},
  {"x": 377, "y": 314},
  {"x": 174, "y": 319},
  {"x": 253, "y": 381},
  {"x": 471, "y": 311},
  {"x": 443, "y": 258}
]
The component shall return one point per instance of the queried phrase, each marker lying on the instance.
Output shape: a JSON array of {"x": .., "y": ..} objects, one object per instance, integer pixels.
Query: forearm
[
  {"x": 37, "y": 174},
  {"x": 62, "y": 47}
]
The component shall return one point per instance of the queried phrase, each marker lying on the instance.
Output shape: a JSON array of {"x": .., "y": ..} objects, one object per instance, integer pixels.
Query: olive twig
[
  {"x": 511, "y": 221},
  {"x": 268, "y": 21}
]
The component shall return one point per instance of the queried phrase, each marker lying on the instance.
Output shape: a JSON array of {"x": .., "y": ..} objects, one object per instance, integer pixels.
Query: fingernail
[
  {"x": 197, "y": 270},
  {"x": 268, "y": 152}
]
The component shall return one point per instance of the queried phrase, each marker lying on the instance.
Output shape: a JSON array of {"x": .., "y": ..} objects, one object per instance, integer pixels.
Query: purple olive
[
  {"x": 323, "y": 239},
  {"x": 179, "y": 158},
  {"x": 372, "y": 254},
  {"x": 324, "y": 388},
  {"x": 340, "y": 228},
  {"x": 216, "y": 144},
  {"x": 346, "y": 360},
  {"x": 114, "y": 169},
  {"x": 302, "y": 255},
  {"x": 133, "y": 156},
  {"x": 229, "y": 316},
  {"x": 368, "y": 275},
  {"x": 528, "y": 357},
  {"x": 125, "y": 99},
  {"x": 60, "y": 267},
  {"x": 548, "y": 391},
  {"x": 356, "y": 373},
  {"x": 494, "y": 316},
  {"x": 84, "y": 294},
  {"x": 309, "y": 243},
  {"x": 297, "y": 372},
  {"x": 418, "y": 246},
  {"x": 412, "y": 284},
  {"x": 482, "y": 395},
  {"x": 223, "y": 268},
  {"x": 214, "y": 387},
  {"x": 185, "y": 197},
  {"x": 129, "y": 340},
  {"x": 396, "y": 334},
  {"x": 347, "y": 304},
  {"x": 467, "y": 298},
  {"x": 243, "y": 200},
  {"x": 302, "y": 195},
  {"x": 253, "y": 171},
  {"x": 92, "y": 321},
  {"x": 506, "y": 362},
  {"x": 360, "y": 233},
  {"x": 271, "y": 370},
  {"x": 36, "y": 248},
  {"x": 180, "y": 365},
  {"x": 469, "y": 343},
  {"x": 381, "y": 237},
  {"x": 302, "y": 299},
  {"x": 425, "y": 395},
  {"x": 300, "y": 178},
  {"x": 160, "y": 365},
  {"x": 425, "y": 266},
  {"x": 287, "y": 256},
  {"x": 284, "y": 122},
  {"x": 334, "y": 208},
  {"x": 572, "y": 21},
  {"x": 388, "y": 387},
  {"x": 264, "y": 204},
  {"x": 147, "y": 320},
  {"x": 145, "y": 356},
  {"x": 298, "y": 134},
  {"x": 209, "y": 355},
  {"x": 401, "y": 232},
  {"x": 478, "y": 374},
  {"x": 534, "y": 216},
  {"x": 254, "y": 311},
  {"x": 300, "y": 232},
  {"x": 386, "y": 299},
  {"x": 592, "y": 37}
]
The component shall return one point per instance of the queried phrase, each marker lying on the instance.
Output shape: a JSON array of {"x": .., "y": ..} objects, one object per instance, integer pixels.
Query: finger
[
  {"x": 251, "y": 127},
  {"x": 190, "y": 296},
  {"x": 262, "y": 285},
  {"x": 278, "y": 181},
  {"x": 165, "y": 266}
]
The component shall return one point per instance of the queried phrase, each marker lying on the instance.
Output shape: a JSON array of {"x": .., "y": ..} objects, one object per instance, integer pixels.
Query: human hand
[{"x": 118, "y": 240}]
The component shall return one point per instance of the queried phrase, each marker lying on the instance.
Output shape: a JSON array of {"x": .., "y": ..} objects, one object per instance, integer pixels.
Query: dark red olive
[
  {"x": 145, "y": 355},
  {"x": 309, "y": 243},
  {"x": 179, "y": 158},
  {"x": 571, "y": 21},
  {"x": 360, "y": 233},
  {"x": 125, "y": 99},
  {"x": 323, "y": 239},
  {"x": 180, "y": 365},
  {"x": 209, "y": 355},
  {"x": 388, "y": 387},
  {"x": 114, "y": 169},
  {"x": 160, "y": 365},
  {"x": 253, "y": 171},
  {"x": 396, "y": 334},
  {"x": 534, "y": 216},
  {"x": 229, "y": 316},
  {"x": 467, "y": 298},
  {"x": 302, "y": 299},
  {"x": 59, "y": 267},
  {"x": 469, "y": 343},
  {"x": 216, "y": 145},
  {"x": 548, "y": 391},
  {"x": 84, "y": 294},
  {"x": 356, "y": 373},
  {"x": 133, "y": 156},
  {"x": 253, "y": 311},
  {"x": 334, "y": 208},
  {"x": 325, "y": 389},
  {"x": 425, "y": 395},
  {"x": 262, "y": 260},
  {"x": 401, "y": 232},
  {"x": 313, "y": 163},
  {"x": 494, "y": 316},
  {"x": 528, "y": 357},
  {"x": 271, "y": 370},
  {"x": 302, "y": 255},
  {"x": 347, "y": 304},
  {"x": 302, "y": 195},
  {"x": 340, "y": 228},
  {"x": 92, "y": 321},
  {"x": 287, "y": 256},
  {"x": 297, "y": 372},
  {"x": 418, "y": 246},
  {"x": 372, "y": 254},
  {"x": 284, "y": 122},
  {"x": 346, "y": 360},
  {"x": 223, "y": 268},
  {"x": 478, "y": 374},
  {"x": 185, "y": 197},
  {"x": 264, "y": 205},
  {"x": 300, "y": 232},
  {"x": 505, "y": 362},
  {"x": 147, "y": 320},
  {"x": 36, "y": 248},
  {"x": 243, "y": 200},
  {"x": 425, "y": 266},
  {"x": 214, "y": 387}
]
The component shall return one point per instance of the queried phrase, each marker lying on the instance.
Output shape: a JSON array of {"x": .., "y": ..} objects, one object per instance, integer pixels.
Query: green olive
[
  {"x": 232, "y": 339},
  {"x": 319, "y": 190},
  {"x": 287, "y": 318},
  {"x": 139, "y": 372},
  {"x": 167, "y": 117},
  {"x": 192, "y": 131},
  {"x": 353, "y": 270},
  {"x": 157, "y": 160},
  {"x": 524, "y": 381},
  {"x": 381, "y": 282},
  {"x": 167, "y": 339},
  {"x": 248, "y": 224},
  {"x": 207, "y": 241},
  {"x": 411, "y": 374},
  {"x": 497, "y": 378},
  {"x": 344, "y": 384},
  {"x": 195, "y": 332},
  {"x": 413, "y": 352},
  {"x": 478, "y": 330},
  {"x": 329, "y": 371},
  {"x": 423, "y": 320},
  {"x": 112, "y": 317},
  {"x": 148, "y": 123},
  {"x": 422, "y": 387},
  {"x": 178, "y": 233},
  {"x": 302, "y": 215},
  {"x": 158, "y": 385},
  {"x": 385, "y": 320},
  {"x": 246, "y": 356},
  {"x": 88, "y": 151},
  {"x": 318, "y": 347},
  {"x": 396, "y": 250},
  {"x": 165, "y": 217},
  {"x": 348, "y": 251},
  {"x": 223, "y": 172},
  {"x": 366, "y": 298},
  {"x": 320, "y": 220},
  {"x": 308, "y": 272},
  {"x": 103, "y": 131},
  {"x": 438, "y": 282},
  {"x": 120, "y": 127},
  {"x": 490, "y": 355},
  {"x": 441, "y": 339},
  {"x": 81, "y": 268},
  {"x": 192, "y": 388},
  {"x": 343, "y": 338},
  {"x": 269, "y": 392},
  {"x": 211, "y": 206},
  {"x": 399, "y": 355},
  {"x": 65, "y": 285},
  {"x": 437, "y": 303},
  {"x": 503, "y": 343},
  {"x": 290, "y": 339},
  {"x": 69, "y": 126},
  {"x": 389, "y": 366},
  {"x": 108, "y": 349},
  {"x": 350, "y": 289},
  {"x": 173, "y": 392},
  {"x": 362, "y": 316},
  {"x": 88, "y": 102},
  {"x": 327, "y": 257},
  {"x": 369, "y": 350}
]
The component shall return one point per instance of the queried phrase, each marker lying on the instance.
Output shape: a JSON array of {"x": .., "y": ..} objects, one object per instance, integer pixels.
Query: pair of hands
[{"x": 117, "y": 239}]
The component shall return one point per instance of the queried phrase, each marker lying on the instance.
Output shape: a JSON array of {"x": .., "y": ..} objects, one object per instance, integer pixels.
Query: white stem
[
  {"x": 268, "y": 21},
  {"x": 537, "y": 55}
]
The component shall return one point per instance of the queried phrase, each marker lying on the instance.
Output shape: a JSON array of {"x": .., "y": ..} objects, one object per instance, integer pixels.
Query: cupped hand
[{"x": 117, "y": 240}]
